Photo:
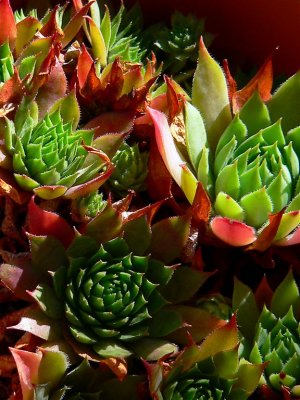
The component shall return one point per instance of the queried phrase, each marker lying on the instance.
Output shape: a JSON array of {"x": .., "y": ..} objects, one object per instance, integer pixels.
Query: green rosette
[
  {"x": 194, "y": 385},
  {"x": 130, "y": 169},
  {"x": 49, "y": 156},
  {"x": 110, "y": 295},
  {"x": 277, "y": 342}
]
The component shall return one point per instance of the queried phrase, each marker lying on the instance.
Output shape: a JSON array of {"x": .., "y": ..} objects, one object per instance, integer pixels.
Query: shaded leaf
[{"x": 169, "y": 237}]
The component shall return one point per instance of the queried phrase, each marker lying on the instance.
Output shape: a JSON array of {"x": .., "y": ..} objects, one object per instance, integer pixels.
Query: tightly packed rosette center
[
  {"x": 108, "y": 295},
  {"x": 49, "y": 156},
  {"x": 194, "y": 385},
  {"x": 243, "y": 147},
  {"x": 256, "y": 167}
]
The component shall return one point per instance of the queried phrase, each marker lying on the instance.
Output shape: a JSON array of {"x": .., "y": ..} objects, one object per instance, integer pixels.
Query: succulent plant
[
  {"x": 195, "y": 385},
  {"x": 121, "y": 88},
  {"x": 270, "y": 330},
  {"x": 48, "y": 157},
  {"x": 108, "y": 297},
  {"x": 130, "y": 169},
  {"x": 89, "y": 206},
  {"x": 277, "y": 342},
  {"x": 178, "y": 46},
  {"x": 211, "y": 370},
  {"x": 248, "y": 164},
  {"x": 115, "y": 37},
  {"x": 49, "y": 374}
]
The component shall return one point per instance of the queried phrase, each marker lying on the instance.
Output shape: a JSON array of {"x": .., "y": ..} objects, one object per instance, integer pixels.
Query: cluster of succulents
[{"x": 149, "y": 224}]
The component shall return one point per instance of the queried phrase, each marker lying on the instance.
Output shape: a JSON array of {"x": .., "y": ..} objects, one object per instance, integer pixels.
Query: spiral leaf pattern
[
  {"x": 109, "y": 295},
  {"x": 130, "y": 169},
  {"x": 256, "y": 167},
  {"x": 277, "y": 342},
  {"x": 193, "y": 386}
]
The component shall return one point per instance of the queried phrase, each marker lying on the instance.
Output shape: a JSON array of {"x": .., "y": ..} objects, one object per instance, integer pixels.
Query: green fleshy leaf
[
  {"x": 48, "y": 253},
  {"x": 250, "y": 181},
  {"x": 255, "y": 107},
  {"x": 291, "y": 160},
  {"x": 184, "y": 283},
  {"x": 284, "y": 103},
  {"x": 152, "y": 349},
  {"x": 25, "y": 182},
  {"x": 294, "y": 204},
  {"x": 221, "y": 339},
  {"x": 106, "y": 225},
  {"x": 164, "y": 322},
  {"x": 248, "y": 377},
  {"x": 27, "y": 67},
  {"x": 173, "y": 234},
  {"x": 210, "y": 96},
  {"x": 288, "y": 223},
  {"x": 52, "y": 368},
  {"x": 226, "y": 363},
  {"x": 236, "y": 129},
  {"x": 257, "y": 206},
  {"x": 228, "y": 207},
  {"x": 195, "y": 134},
  {"x": 137, "y": 234},
  {"x": 277, "y": 382},
  {"x": 228, "y": 181},
  {"x": 243, "y": 301},
  {"x": 69, "y": 109},
  {"x": 107, "y": 349},
  {"x": 293, "y": 136},
  {"x": 204, "y": 172},
  {"x": 105, "y": 28},
  {"x": 159, "y": 273},
  {"x": 273, "y": 134},
  {"x": 48, "y": 302},
  {"x": 285, "y": 296},
  {"x": 200, "y": 324},
  {"x": 279, "y": 191},
  {"x": 255, "y": 355},
  {"x": 225, "y": 156},
  {"x": 82, "y": 246},
  {"x": 9, "y": 134}
]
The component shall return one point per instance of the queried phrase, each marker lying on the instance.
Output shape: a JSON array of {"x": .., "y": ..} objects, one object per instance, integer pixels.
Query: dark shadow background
[{"x": 248, "y": 31}]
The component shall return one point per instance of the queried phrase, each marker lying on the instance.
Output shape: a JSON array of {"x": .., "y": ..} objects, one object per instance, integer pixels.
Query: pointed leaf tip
[{"x": 210, "y": 95}]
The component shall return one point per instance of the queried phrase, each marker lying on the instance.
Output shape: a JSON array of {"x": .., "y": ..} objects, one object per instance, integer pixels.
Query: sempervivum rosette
[
  {"x": 130, "y": 169},
  {"x": 178, "y": 45},
  {"x": 49, "y": 156},
  {"x": 109, "y": 296},
  {"x": 270, "y": 331},
  {"x": 248, "y": 164},
  {"x": 277, "y": 341},
  {"x": 211, "y": 370},
  {"x": 196, "y": 386}
]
